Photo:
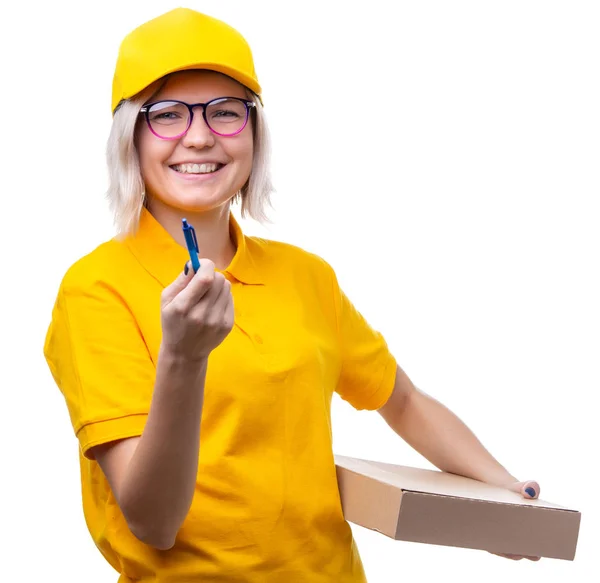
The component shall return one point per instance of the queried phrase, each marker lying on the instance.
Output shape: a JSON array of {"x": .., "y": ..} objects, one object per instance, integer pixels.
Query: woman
[{"x": 201, "y": 400}]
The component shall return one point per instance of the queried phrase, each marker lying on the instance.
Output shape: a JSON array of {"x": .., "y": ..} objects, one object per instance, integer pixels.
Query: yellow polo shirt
[{"x": 266, "y": 507}]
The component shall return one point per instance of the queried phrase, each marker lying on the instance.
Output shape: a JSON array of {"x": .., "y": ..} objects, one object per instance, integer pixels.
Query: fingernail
[
  {"x": 186, "y": 269},
  {"x": 530, "y": 491}
]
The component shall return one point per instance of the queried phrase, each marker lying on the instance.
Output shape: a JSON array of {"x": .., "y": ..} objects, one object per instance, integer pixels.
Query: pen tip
[{"x": 184, "y": 222}]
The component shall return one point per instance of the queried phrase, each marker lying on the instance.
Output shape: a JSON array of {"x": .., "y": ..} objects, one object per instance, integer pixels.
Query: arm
[
  {"x": 440, "y": 436},
  {"x": 153, "y": 476}
]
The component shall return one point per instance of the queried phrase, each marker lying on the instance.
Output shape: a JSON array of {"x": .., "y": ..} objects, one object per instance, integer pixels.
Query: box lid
[{"x": 437, "y": 482}]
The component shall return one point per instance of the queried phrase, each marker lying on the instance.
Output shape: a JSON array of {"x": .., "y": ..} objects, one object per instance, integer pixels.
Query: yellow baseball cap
[{"x": 178, "y": 40}]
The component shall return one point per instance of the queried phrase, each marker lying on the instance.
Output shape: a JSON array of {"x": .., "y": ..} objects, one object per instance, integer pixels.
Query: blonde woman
[{"x": 201, "y": 399}]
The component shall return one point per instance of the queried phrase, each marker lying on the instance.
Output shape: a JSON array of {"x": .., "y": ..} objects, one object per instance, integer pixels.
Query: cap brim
[{"x": 245, "y": 80}]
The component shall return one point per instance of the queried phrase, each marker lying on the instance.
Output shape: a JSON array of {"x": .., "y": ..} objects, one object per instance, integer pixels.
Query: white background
[{"x": 442, "y": 156}]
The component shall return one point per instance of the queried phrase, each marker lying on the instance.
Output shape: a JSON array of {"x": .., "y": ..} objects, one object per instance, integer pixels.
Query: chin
[{"x": 200, "y": 202}]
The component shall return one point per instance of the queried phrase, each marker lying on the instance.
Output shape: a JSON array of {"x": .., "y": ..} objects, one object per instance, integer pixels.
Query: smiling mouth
[{"x": 197, "y": 168}]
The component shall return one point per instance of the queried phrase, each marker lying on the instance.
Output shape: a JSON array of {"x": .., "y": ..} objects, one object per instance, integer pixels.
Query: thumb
[
  {"x": 178, "y": 285},
  {"x": 528, "y": 489}
]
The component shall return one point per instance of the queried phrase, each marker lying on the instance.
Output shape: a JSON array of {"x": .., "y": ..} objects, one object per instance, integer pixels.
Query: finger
[
  {"x": 227, "y": 301},
  {"x": 229, "y": 314},
  {"x": 528, "y": 489},
  {"x": 512, "y": 557},
  {"x": 531, "y": 489},
  {"x": 212, "y": 296},
  {"x": 179, "y": 284},
  {"x": 217, "y": 308},
  {"x": 198, "y": 286},
  {"x": 203, "y": 311}
]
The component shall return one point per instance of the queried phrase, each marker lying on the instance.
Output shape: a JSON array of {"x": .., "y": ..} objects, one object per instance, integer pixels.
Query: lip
[
  {"x": 199, "y": 162},
  {"x": 198, "y": 177}
]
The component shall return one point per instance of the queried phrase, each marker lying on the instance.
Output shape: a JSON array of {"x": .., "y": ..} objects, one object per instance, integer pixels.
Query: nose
[{"x": 198, "y": 135}]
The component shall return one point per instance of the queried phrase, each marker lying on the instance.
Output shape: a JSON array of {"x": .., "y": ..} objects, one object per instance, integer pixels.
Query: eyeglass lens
[{"x": 169, "y": 119}]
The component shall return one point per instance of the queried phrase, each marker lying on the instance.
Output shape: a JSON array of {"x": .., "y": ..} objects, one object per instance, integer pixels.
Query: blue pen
[{"x": 192, "y": 243}]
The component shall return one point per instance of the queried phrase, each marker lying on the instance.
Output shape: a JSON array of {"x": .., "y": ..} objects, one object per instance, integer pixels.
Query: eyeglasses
[{"x": 225, "y": 116}]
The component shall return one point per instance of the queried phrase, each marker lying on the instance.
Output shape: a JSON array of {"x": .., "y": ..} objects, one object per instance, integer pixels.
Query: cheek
[
  {"x": 245, "y": 154},
  {"x": 152, "y": 153},
  {"x": 145, "y": 152}
]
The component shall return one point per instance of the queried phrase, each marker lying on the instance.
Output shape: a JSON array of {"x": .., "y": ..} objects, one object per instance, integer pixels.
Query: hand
[
  {"x": 528, "y": 490},
  {"x": 196, "y": 312}
]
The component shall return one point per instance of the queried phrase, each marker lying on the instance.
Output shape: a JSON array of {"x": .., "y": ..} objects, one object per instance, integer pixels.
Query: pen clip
[{"x": 193, "y": 232}]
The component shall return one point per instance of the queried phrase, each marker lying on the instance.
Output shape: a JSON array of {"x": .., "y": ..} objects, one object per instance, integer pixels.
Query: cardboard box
[{"x": 439, "y": 508}]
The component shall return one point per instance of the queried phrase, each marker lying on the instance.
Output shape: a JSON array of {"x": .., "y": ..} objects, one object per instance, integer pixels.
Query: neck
[{"x": 212, "y": 230}]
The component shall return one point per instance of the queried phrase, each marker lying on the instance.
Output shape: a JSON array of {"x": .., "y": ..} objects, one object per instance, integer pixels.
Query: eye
[
  {"x": 225, "y": 113},
  {"x": 168, "y": 112},
  {"x": 165, "y": 115}
]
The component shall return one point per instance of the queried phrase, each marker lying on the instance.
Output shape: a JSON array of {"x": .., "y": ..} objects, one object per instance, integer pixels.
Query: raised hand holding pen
[{"x": 196, "y": 311}]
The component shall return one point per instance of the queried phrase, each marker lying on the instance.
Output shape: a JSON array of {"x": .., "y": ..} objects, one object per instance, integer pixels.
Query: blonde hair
[{"x": 126, "y": 191}]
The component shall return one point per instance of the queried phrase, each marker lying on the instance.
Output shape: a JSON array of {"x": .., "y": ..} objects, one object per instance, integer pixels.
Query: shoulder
[
  {"x": 83, "y": 293},
  {"x": 105, "y": 266},
  {"x": 89, "y": 292},
  {"x": 281, "y": 256},
  {"x": 269, "y": 250}
]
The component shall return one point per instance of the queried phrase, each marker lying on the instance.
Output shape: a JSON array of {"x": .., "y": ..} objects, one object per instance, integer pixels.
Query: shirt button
[{"x": 258, "y": 339}]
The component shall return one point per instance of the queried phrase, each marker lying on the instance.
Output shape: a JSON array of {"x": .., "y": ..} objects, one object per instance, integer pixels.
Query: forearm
[
  {"x": 440, "y": 436},
  {"x": 157, "y": 488}
]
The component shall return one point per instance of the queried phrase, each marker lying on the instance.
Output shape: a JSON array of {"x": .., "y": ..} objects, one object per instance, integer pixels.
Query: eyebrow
[{"x": 220, "y": 96}]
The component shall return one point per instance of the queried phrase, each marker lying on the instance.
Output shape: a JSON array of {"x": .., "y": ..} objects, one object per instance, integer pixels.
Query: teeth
[{"x": 196, "y": 168}]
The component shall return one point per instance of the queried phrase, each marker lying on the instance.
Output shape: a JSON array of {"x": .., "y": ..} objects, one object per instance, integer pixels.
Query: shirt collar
[{"x": 164, "y": 258}]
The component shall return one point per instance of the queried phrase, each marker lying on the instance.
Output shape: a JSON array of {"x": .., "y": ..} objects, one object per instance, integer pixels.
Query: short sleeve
[
  {"x": 100, "y": 362},
  {"x": 368, "y": 369}
]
